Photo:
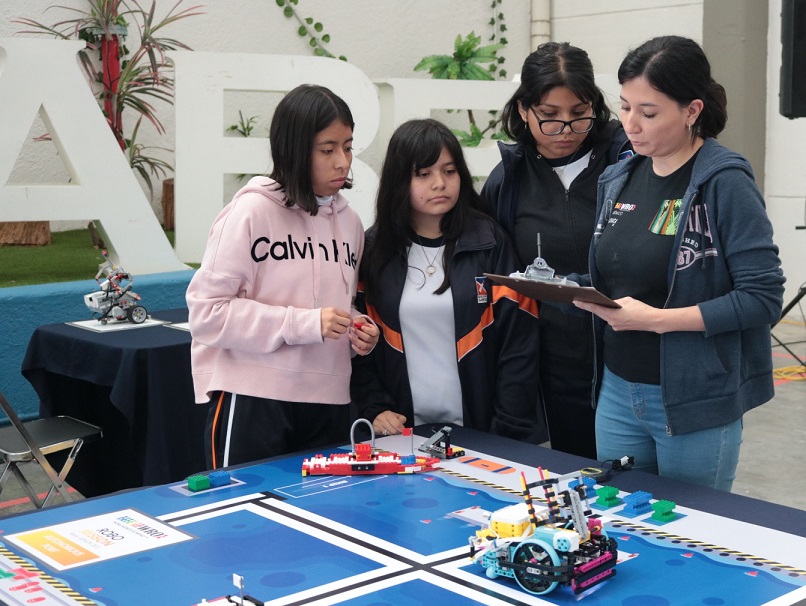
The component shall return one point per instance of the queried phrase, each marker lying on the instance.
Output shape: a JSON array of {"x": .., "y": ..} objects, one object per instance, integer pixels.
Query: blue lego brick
[
  {"x": 219, "y": 478},
  {"x": 637, "y": 504}
]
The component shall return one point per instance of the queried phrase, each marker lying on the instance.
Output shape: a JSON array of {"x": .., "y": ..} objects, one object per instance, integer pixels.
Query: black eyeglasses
[{"x": 580, "y": 126}]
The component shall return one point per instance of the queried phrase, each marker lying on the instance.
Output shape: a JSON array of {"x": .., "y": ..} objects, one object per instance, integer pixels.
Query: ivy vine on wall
[
  {"x": 497, "y": 37},
  {"x": 463, "y": 64},
  {"x": 308, "y": 28}
]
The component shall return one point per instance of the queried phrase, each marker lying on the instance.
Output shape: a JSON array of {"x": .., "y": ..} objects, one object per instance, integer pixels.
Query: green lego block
[
  {"x": 607, "y": 496},
  {"x": 664, "y": 511},
  {"x": 198, "y": 483}
]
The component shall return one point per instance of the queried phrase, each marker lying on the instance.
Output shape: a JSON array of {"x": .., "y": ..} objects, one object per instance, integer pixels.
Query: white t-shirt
[
  {"x": 568, "y": 172},
  {"x": 429, "y": 340}
]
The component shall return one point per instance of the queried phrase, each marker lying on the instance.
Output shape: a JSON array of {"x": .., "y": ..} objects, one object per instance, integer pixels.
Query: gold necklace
[{"x": 431, "y": 269}]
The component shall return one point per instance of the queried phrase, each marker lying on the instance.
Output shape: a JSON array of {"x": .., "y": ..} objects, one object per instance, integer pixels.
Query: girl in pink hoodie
[{"x": 270, "y": 308}]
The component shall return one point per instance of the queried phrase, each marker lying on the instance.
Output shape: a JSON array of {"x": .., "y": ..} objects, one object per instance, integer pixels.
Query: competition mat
[{"x": 366, "y": 540}]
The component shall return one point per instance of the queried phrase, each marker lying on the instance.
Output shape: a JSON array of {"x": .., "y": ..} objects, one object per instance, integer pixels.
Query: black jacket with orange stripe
[{"x": 496, "y": 341}]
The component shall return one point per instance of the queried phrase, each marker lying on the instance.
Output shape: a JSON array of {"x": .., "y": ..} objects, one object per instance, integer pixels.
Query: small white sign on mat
[{"x": 97, "y": 539}]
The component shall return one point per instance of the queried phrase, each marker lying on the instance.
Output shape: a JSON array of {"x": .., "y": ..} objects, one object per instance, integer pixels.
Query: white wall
[{"x": 607, "y": 29}]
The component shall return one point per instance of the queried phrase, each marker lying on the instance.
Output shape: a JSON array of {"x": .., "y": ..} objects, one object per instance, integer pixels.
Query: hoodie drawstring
[{"x": 334, "y": 222}]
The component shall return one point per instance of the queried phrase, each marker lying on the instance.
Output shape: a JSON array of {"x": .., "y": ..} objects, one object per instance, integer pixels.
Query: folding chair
[{"x": 32, "y": 440}]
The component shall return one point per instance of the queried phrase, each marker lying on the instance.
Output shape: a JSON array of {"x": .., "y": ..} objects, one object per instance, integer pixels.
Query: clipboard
[{"x": 558, "y": 293}]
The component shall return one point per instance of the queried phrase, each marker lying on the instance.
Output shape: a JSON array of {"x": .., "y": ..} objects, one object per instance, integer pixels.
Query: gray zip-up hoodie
[{"x": 724, "y": 261}]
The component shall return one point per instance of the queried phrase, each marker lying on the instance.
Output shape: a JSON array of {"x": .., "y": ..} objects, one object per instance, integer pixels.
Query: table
[
  {"x": 136, "y": 385},
  {"x": 395, "y": 539}
]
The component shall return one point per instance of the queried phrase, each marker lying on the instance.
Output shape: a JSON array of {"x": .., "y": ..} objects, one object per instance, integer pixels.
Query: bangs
[
  {"x": 427, "y": 149},
  {"x": 580, "y": 88}
]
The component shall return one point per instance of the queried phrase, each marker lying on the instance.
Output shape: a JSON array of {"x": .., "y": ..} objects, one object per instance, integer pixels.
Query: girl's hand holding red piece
[
  {"x": 389, "y": 423},
  {"x": 363, "y": 335}
]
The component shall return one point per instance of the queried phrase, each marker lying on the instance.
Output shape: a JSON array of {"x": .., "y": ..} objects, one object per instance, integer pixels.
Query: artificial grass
[{"x": 70, "y": 257}]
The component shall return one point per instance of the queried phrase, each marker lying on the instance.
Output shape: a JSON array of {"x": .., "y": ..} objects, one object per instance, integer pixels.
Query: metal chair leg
[{"x": 68, "y": 465}]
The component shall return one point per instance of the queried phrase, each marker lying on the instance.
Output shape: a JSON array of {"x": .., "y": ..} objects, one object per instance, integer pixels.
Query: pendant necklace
[{"x": 430, "y": 269}]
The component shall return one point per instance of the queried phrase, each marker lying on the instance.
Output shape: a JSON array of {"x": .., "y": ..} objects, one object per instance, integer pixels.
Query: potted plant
[
  {"x": 466, "y": 64},
  {"x": 131, "y": 72}
]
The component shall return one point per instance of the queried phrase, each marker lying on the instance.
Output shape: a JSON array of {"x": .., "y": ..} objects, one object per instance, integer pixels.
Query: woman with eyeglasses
[{"x": 545, "y": 185}]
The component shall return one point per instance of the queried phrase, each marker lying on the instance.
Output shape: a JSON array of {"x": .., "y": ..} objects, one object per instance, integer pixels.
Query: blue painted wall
[{"x": 23, "y": 308}]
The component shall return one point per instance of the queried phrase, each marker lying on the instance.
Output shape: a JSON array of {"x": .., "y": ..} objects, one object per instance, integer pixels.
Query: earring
[{"x": 688, "y": 126}]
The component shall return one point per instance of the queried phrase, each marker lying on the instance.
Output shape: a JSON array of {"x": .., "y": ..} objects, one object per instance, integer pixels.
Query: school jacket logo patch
[{"x": 481, "y": 289}]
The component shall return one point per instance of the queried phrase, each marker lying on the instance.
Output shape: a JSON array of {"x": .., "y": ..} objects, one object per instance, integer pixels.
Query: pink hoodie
[{"x": 255, "y": 303}]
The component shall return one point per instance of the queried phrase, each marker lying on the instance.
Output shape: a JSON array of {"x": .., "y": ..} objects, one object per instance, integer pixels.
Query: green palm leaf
[{"x": 465, "y": 61}]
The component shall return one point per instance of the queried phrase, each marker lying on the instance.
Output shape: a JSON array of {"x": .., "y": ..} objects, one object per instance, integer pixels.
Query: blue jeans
[{"x": 631, "y": 420}]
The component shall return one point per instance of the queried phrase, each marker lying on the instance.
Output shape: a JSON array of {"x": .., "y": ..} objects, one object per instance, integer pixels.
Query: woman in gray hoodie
[{"x": 683, "y": 243}]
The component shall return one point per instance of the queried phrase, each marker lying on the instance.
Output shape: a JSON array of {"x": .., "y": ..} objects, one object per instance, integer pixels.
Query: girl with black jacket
[
  {"x": 546, "y": 184},
  {"x": 454, "y": 346}
]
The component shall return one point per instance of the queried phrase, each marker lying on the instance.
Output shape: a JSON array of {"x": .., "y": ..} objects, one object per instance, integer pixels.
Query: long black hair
[
  {"x": 415, "y": 145},
  {"x": 554, "y": 64},
  {"x": 678, "y": 68},
  {"x": 300, "y": 115}
]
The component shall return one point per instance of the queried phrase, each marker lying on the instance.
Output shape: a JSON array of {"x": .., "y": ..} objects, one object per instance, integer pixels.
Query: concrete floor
[
  {"x": 773, "y": 448},
  {"x": 774, "y": 438}
]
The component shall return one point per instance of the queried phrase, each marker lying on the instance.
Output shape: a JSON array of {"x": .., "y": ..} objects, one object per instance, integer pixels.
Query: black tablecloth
[{"x": 137, "y": 386}]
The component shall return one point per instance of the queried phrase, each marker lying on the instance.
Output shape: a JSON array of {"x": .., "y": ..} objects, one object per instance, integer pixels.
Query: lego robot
[
  {"x": 439, "y": 445},
  {"x": 540, "y": 271},
  {"x": 116, "y": 300},
  {"x": 562, "y": 546},
  {"x": 365, "y": 459}
]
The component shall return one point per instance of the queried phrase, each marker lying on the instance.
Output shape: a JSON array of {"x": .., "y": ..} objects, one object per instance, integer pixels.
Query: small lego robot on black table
[{"x": 116, "y": 300}]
